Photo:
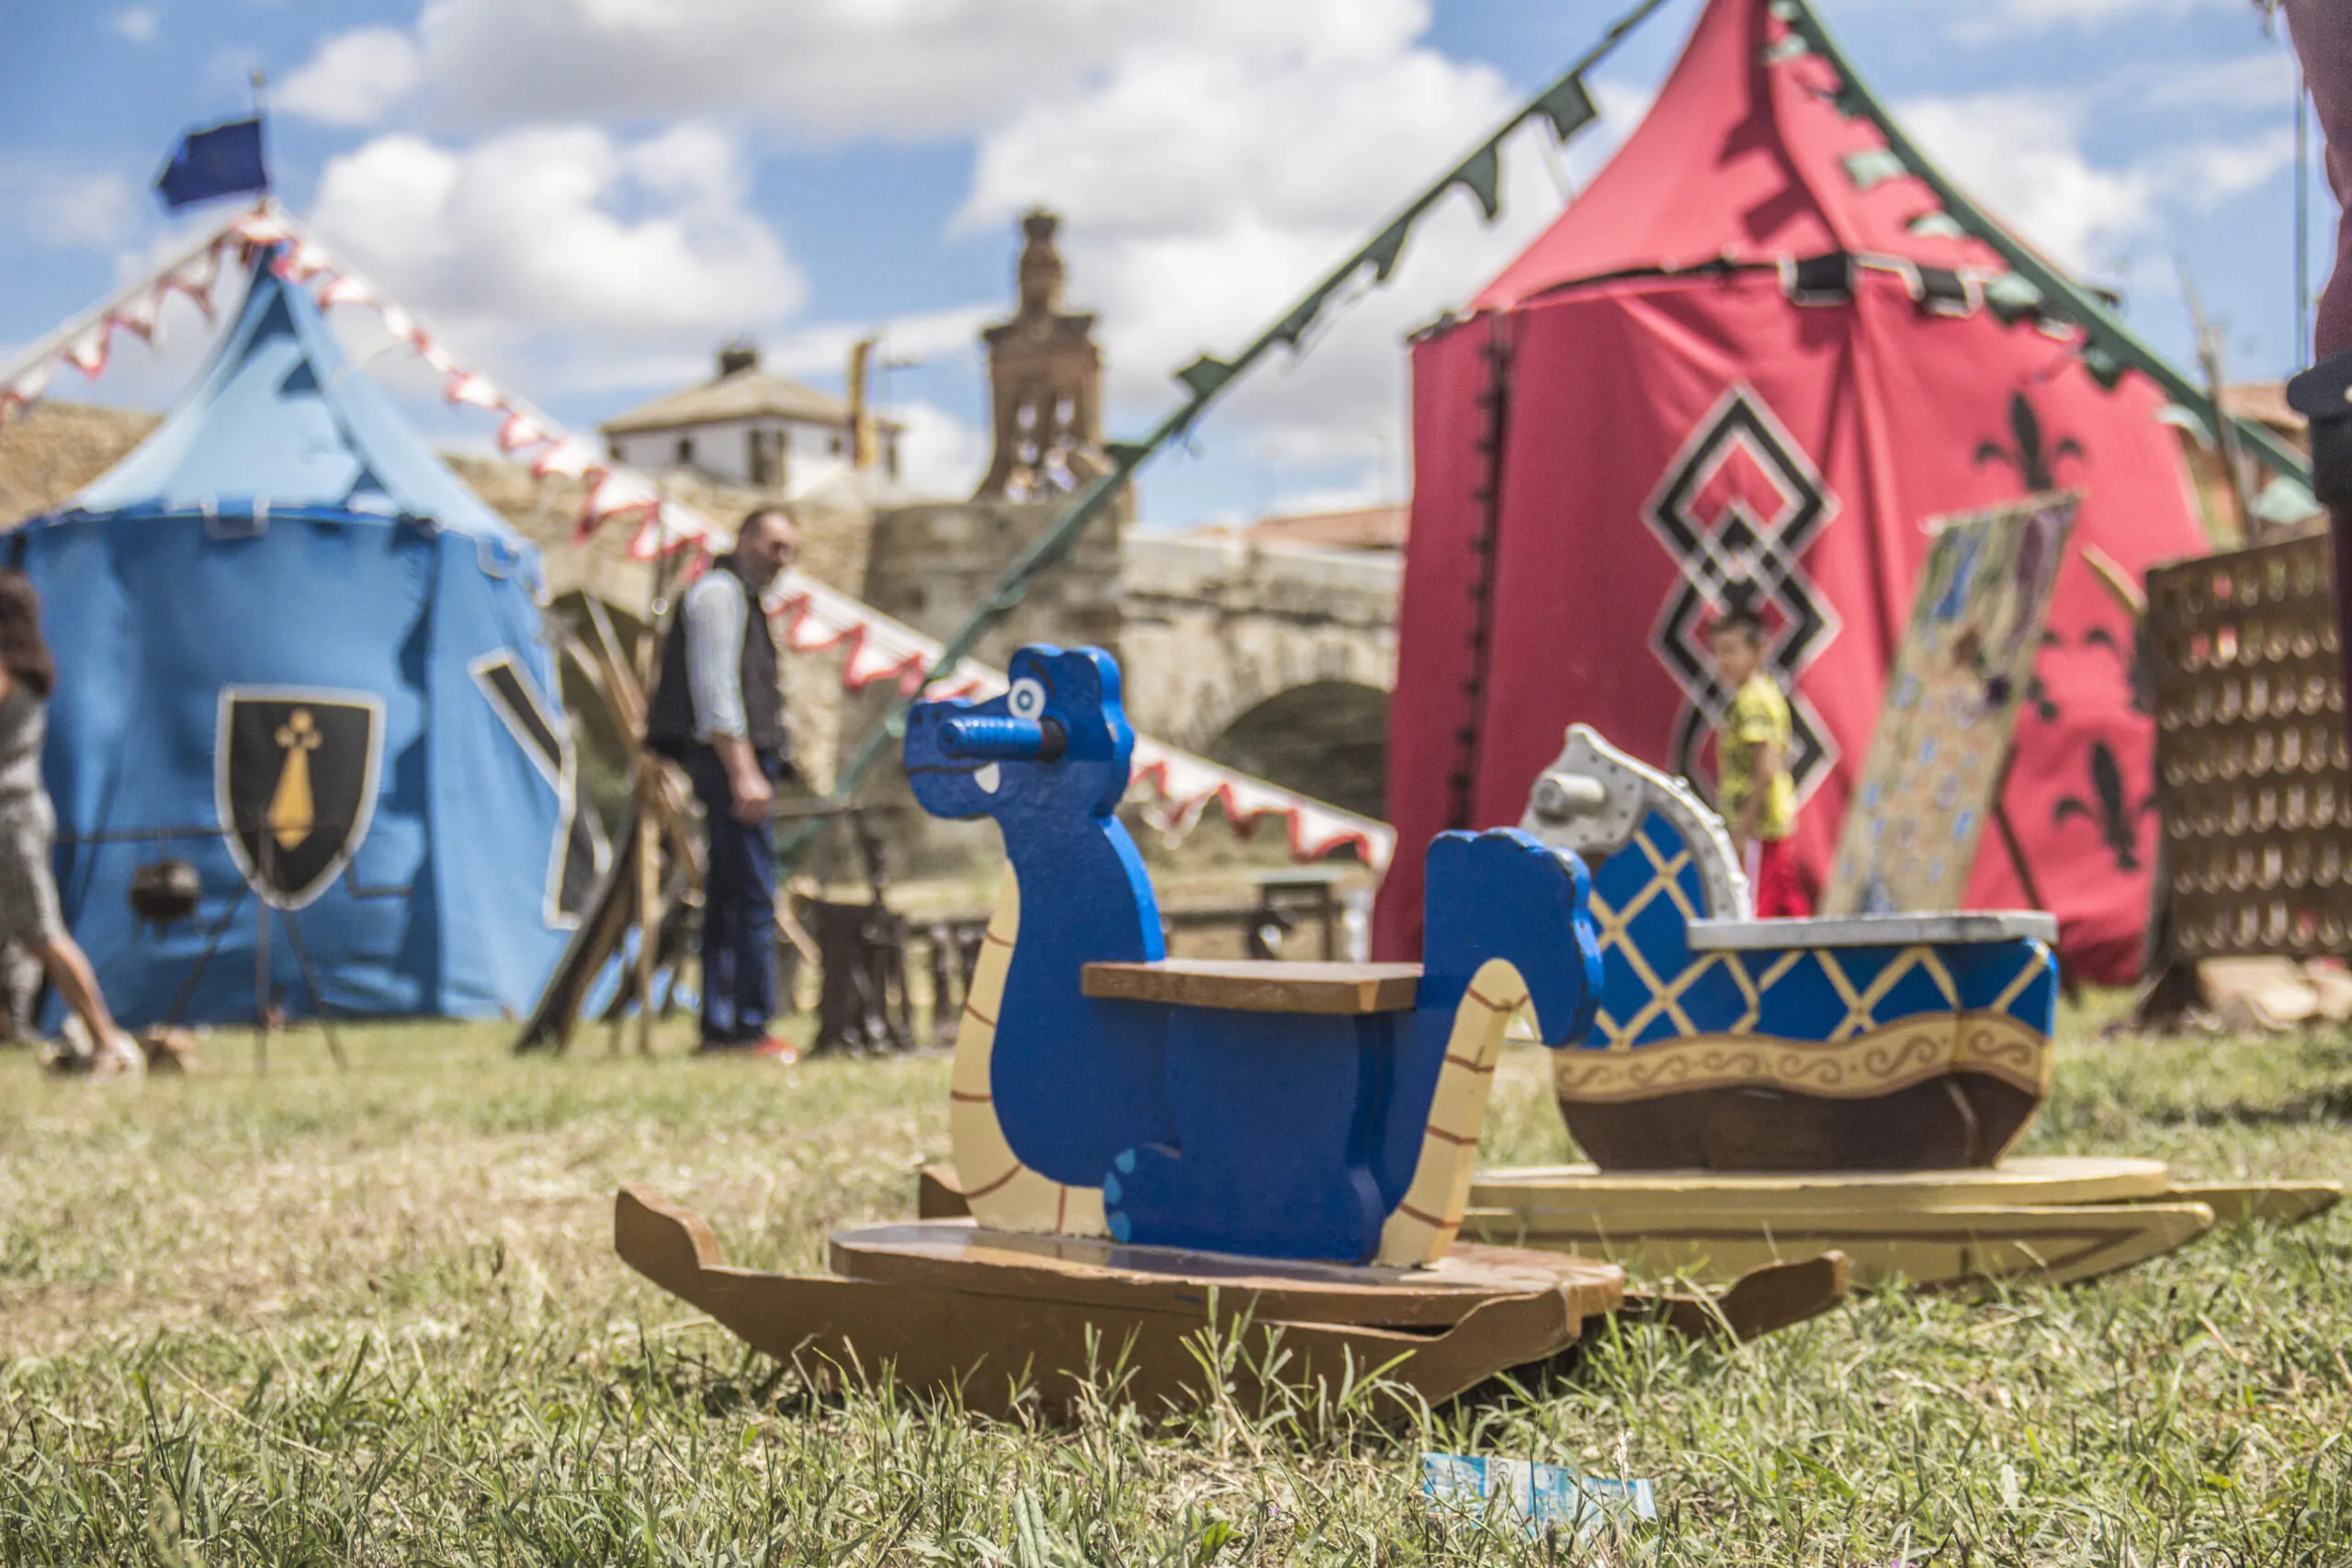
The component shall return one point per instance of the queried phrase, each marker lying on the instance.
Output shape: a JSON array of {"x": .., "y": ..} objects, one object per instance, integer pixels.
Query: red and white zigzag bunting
[{"x": 1174, "y": 787}]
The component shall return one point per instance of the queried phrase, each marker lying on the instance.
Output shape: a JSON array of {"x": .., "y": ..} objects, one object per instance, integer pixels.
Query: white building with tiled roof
[{"x": 747, "y": 426}]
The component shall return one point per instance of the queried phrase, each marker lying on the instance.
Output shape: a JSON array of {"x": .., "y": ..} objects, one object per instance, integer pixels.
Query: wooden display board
[
  {"x": 2250, "y": 753},
  {"x": 1934, "y": 772}
]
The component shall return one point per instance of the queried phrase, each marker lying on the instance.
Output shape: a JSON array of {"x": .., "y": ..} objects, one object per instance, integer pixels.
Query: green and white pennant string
[
  {"x": 2032, "y": 286},
  {"x": 1566, "y": 105}
]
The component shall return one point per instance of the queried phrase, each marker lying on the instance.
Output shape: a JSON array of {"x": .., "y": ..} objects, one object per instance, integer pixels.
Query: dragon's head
[{"x": 1056, "y": 744}]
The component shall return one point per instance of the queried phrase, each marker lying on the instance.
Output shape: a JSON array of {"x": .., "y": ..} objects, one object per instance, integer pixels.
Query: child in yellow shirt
[{"x": 1753, "y": 788}]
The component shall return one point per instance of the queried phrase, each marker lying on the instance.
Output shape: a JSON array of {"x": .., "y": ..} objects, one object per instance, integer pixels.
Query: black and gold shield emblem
[{"x": 294, "y": 782}]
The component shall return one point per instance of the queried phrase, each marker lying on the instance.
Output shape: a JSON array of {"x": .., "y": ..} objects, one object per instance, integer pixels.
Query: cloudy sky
[{"x": 586, "y": 196}]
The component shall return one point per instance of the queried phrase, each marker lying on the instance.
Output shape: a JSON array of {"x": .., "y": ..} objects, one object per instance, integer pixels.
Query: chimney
[{"x": 738, "y": 354}]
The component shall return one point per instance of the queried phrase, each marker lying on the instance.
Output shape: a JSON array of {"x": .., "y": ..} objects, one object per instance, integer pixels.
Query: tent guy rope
[{"x": 2109, "y": 346}]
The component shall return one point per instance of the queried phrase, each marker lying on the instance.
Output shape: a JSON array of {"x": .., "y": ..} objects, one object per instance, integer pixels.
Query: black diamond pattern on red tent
[{"x": 1736, "y": 510}]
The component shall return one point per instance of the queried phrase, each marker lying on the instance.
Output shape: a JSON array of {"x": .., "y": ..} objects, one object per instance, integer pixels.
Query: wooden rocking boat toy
[
  {"x": 1768, "y": 1089},
  {"x": 1150, "y": 1148},
  {"x": 1878, "y": 1042}
]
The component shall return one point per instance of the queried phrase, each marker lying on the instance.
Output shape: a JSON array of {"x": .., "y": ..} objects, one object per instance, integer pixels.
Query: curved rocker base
[
  {"x": 1951, "y": 1122},
  {"x": 1008, "y": 1322}
]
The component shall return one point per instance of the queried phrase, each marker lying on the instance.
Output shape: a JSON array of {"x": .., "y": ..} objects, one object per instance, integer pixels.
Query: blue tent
[{"x": 297, "y": 652}]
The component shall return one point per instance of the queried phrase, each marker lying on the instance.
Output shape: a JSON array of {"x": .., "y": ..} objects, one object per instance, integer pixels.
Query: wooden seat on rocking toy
[
  {"x": 1325, "y": 990},
  {"x": 1895, "y": 1042}
]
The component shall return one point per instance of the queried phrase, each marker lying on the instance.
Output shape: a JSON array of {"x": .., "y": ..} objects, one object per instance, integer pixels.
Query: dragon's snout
[
  {"x": 953, "y": 751},
  {"x": 988, "y": 738},
  {"x": 1055, "y": 739}
]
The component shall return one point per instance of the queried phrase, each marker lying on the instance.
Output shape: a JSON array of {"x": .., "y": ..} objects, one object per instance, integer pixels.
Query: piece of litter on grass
[{"x": 1538, "y": 1497}]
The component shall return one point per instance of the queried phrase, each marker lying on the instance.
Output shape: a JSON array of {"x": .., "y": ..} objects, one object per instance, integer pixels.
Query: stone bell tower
[{"x": 1044, "y": 382}]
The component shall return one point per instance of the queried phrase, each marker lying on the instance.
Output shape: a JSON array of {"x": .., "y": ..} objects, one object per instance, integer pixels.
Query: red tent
[{"x": 1756, "y": 351}]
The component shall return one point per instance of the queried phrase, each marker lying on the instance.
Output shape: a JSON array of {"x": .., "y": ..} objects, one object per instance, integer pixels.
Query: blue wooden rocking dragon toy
[{"x": 1313, "y": 1111}]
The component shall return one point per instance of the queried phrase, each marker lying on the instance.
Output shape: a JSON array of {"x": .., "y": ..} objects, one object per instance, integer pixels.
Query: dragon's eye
[{"x": 1027, "y": 699}]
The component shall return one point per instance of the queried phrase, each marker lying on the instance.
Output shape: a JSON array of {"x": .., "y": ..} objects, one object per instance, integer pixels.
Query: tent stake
[
  {"x": 260, "y": 969},
  {"x": 317, "y": 997},
  {"x": 648, "y": 843}
]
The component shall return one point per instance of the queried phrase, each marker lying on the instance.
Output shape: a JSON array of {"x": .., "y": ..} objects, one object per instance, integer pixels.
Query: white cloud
[
  {"x": 67, "y": 208},
  {"x": 841, "y": 68},
  {"x": 563, "y": 245},
  {"x": 938, "y": 453},
  {"x": 1204, "y": 189},
  {"x": 1177, "y": 140},
  {"x": 926, "y": 336},
  {"x": 2206, "y": 175},
  {"x": 2000, "y": 19},
  {"x": 817, "y": 353},
  {"x": 138, "y": 24},
  {"x": 2264, "y": 82},
  {"x": 354, "y": 78},
  {"x": 1213, "y": 159},
  {"x": 2019, "y": 153}
]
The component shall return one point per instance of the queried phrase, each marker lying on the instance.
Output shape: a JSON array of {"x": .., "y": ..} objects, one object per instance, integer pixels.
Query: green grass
[{"x": 311, "y": 1318}]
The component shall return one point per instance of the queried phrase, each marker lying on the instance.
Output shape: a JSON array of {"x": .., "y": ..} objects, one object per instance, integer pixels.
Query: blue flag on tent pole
[{"x": 219, "y": 159}]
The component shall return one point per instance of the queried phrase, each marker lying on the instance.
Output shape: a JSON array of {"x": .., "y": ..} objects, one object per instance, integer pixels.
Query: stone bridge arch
[
  {"x": 1276, "y": 660},
  {"x": 1327, "y": 738}
]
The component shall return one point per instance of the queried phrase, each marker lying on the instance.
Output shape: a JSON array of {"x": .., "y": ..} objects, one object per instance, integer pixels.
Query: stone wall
[
  {"x": 51, "y": 450},
  {"x": 1272, "y": 658},
  {"x": 931, "y": 565},
  {"x": 1218, "y": 625}
]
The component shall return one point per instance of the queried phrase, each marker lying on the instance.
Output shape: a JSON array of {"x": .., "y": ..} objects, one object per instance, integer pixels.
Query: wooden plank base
[
  {"x": 1934, "y": 1249},
  {"x": 2260, "y": 1202},
  {"x": 1000, "y": 1350},
  {"x": 1776, "y": 1296},
  {"x": 1624, "y": 1196},
  {"x": 2054, "y": 1218}
]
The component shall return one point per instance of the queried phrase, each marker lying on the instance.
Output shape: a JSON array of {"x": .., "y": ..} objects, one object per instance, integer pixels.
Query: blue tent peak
[{"x": 281, "y": 422}]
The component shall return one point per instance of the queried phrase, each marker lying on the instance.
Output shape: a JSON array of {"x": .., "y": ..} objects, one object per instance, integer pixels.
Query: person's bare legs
[{"x": 77, "y": 985}]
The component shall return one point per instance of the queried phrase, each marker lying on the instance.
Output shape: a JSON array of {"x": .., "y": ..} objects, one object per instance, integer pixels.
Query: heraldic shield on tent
[
  {"x": 297, "y": 652},
  {"x": 296, "y": 785}
]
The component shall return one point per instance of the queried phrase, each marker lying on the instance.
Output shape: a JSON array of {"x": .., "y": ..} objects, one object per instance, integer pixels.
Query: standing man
[{"x": 717, "y": 707}]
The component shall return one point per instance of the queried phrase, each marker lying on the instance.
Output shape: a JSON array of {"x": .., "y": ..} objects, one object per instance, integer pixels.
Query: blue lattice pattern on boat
[{"x": 1656, "y": 988}]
